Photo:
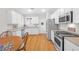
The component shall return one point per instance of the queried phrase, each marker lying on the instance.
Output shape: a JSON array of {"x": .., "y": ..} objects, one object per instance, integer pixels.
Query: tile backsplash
[{"x": 66, "y": 26}]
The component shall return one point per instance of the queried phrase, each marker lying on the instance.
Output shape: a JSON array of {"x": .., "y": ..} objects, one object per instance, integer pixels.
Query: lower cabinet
[
  {"x": 32, "y": 30},
  {"x": 52, "y": 36},
  {"x": 69, "y": 46}
]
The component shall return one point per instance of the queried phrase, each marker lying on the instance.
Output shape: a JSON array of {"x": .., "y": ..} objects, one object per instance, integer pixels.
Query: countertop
[
  {"x": 21, "y": 28},
  {"x": 74, "y": 33},
  {"x": 74, "y": 40}
]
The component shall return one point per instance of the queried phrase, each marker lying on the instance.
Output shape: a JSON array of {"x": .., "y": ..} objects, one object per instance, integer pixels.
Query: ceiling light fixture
[
  {"x": 30, "y": 9},
  {"x": 43, "y": 10}
]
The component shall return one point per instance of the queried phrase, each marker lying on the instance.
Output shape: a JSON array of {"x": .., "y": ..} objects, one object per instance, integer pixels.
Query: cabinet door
[
  {"x": 67, "y": 10},
  {"x": 75, "y": 48},
  {"x": 67, "y": 45},
  {"x": 61, "y": 11},
  {"x": 76, "y": 15},
  {"x": 56, "y": 20},
  {"x": 56, "y": 17},
  {"x": 34, "y": 31},
  {"x": 14, "y": 17},
  {"x": 52, "y": 36}
]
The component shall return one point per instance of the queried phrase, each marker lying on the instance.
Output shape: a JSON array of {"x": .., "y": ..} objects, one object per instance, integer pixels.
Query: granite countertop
[{"x": 74, "y": 40}]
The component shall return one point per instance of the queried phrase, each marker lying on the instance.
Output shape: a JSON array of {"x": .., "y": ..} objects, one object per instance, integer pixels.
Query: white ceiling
[{"x": 35, "y": 10}]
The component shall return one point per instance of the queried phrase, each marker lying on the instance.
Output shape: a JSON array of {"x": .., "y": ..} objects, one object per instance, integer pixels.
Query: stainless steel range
[{"x": 59, "y": 39}]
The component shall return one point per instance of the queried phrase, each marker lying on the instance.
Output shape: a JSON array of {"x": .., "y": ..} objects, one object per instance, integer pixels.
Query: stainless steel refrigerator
[{"x": 50, "y": 25}]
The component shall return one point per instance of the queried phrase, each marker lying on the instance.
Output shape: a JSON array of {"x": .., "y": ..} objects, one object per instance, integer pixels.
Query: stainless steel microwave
[{"x": 66, "y": 18}]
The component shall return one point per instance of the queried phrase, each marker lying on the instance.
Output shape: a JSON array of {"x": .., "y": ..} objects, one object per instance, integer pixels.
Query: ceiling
[{"x": 35, "y": 10}]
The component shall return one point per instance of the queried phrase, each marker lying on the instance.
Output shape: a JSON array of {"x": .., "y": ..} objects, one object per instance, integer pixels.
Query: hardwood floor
[{"x": 39, "y": 43}]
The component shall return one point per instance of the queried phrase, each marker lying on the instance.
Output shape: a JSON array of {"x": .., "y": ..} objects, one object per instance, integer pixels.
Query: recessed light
[
  {"x": 29, "y": 10},
  {"x": 43, "y": 10}
]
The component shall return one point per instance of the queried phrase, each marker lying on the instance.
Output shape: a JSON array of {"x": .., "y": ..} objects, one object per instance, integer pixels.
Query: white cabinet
[
  {"x": 67, "y": 10},
  {"x": 52, "y": 36},
  {"x": 64, "y": 11},
  {"x": 76, "y": 15},
  {"x": 16, "y": 18},
  {"x": 69, "y": 46},
  {"x": 13, "y": 17},
  {"x": 32, "y": 30},
  {"x": 56, "y": 20},
  {"x": 56, "y": 17},
  {"x": 34, "y": 20},
  {"x": 59, "y": 13}
]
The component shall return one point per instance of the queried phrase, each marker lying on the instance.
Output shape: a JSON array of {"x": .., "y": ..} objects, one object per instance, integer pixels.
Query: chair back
[
  {"x": 24, "y": 41},
  {"x": 25, "y": 37},
  {"x": 5, "y": 34}
]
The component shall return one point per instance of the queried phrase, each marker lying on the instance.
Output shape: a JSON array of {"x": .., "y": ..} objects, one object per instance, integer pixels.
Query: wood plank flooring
[{"x": 39, "y": 43}]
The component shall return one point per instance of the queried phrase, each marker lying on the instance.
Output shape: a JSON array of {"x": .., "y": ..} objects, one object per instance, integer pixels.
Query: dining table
[{"x": 11, "y": 43}]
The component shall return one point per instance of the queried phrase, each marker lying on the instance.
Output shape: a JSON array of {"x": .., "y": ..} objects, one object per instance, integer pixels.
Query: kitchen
[
  {"x": 60, "y": 25},
  {"x": 66, "y": 38}
]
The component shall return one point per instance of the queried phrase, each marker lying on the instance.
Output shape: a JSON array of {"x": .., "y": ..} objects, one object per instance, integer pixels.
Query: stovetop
[{"x": 64, "y": 34}]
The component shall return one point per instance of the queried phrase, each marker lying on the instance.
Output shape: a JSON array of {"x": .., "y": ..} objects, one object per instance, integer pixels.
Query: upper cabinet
[
  {"x": 62, "y": 13},
  {"x": 56, "y": 20},
  {"x": 75, "y": 15},
  {"x": 16, "y": 18},
  {"x": 55, "y": 16},
  {"x": 67, "y": 10}
]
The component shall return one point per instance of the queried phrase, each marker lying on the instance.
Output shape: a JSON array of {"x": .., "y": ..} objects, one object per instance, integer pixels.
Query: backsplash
[{"x": 69, "y": 27}]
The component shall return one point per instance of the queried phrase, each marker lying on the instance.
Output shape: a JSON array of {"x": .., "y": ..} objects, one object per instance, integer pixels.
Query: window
[{"x": 31, "y": 21}]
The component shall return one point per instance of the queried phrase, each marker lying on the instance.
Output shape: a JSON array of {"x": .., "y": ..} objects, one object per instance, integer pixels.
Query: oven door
[{"x": 58, "y": 43}]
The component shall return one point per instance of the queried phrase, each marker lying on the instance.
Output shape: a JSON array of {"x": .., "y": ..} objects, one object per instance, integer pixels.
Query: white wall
[
  {"x": 43, "y": 27},
  {"x": 4, "y": 17},
  {"x": 41, "y": 18}
]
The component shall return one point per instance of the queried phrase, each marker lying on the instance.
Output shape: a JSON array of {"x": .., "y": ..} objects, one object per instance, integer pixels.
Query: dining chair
[
  {"x": 23, "y": 45},
  {"x": 5, "y": 34},
  {"x": 3, "y": 39}
]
